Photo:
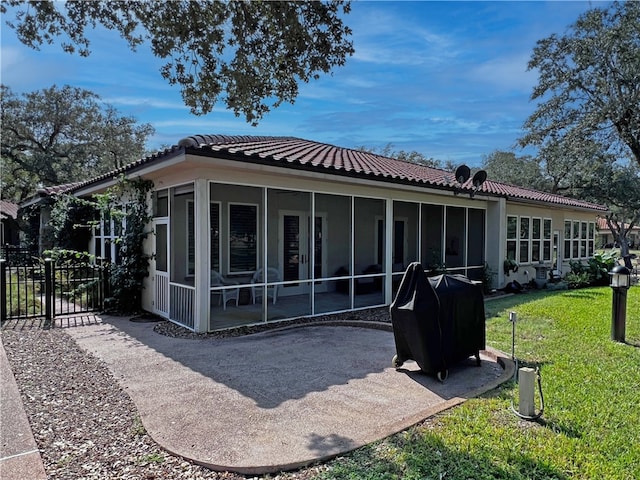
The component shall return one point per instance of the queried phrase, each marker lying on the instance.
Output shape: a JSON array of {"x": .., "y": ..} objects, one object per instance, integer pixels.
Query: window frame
[{"x": 256, "y": 234}]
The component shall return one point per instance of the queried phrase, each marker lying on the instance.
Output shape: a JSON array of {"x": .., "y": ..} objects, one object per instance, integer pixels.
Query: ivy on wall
[
  {"x": 127, "y": 203},
  {"x": 70, "y": 227}
]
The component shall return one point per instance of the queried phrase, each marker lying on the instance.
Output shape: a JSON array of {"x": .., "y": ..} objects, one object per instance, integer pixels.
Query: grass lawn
[{"x": 591, "y": 424}]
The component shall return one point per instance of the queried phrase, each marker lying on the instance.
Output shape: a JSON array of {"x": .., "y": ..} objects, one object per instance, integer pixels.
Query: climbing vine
[
  {"x": 127, "y": 204},
  {"x": 71, "y": 221}
]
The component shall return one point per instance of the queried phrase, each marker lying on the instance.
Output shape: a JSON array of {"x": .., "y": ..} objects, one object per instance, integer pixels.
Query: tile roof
[
  {"x": 8, "y": 210},
  {"x": 603, "y": 225},
  {"x": 297, "y": 153}
]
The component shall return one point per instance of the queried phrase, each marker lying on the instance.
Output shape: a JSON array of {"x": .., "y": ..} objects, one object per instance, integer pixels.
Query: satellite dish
[
  {"x": 462, "y": 174},
  {"x": 479, "y": 178}
]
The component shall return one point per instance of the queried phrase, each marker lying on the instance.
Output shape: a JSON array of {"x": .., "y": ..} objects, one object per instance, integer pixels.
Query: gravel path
[{"x": 85, "y": 425}]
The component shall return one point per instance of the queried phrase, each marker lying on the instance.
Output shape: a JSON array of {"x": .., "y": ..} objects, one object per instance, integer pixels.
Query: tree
[
  {"x": 618, "y": 186},
  {"x": 520, "y": 171},
  {"x": 57, "y": 136},
  {"x": 589, "y": 84},
  {"x": 243, "y": 53}
]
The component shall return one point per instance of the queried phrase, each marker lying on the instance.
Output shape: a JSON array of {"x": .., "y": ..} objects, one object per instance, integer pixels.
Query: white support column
[
  {"x": 388, "y": 255},
  {"x": 496, "y": 238},
  {"x": 201, "y": 310}
]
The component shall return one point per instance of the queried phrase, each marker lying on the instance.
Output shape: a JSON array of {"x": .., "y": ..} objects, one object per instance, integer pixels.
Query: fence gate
[{"x": 31, "y": 287}]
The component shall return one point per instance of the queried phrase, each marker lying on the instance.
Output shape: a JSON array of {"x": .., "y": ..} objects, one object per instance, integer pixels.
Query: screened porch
[{"x": 241, "y": 255}]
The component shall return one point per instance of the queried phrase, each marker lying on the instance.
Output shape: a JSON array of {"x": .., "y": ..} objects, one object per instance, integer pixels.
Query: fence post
[
  {"x": 3, "y": 290},
  {"x": 48, "y": 288},
  {"x": 104, "y": 274}
]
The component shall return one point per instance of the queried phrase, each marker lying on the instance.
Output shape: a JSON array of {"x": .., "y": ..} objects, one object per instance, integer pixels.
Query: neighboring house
[
  {"x": 9, "y": 230},
  {"x": 606, "y": 238},
  {"x": 333, "y": 228}
]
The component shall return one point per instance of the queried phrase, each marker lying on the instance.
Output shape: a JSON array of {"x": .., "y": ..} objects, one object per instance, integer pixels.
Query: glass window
[
  {"x": 161, "y": 258},
  {"x": 525, "y": 233},
  {"x": 536, "y": 228},
  {"x": 567, "y": 238},
  {"x": 243, "y": 236},
  {"x": 161, "y": 203},
  {"x": 512, "y": 236},
  {"x": 214, "y": 225},
  {"x": 536, "y": 235},
  {"x": 512, "y": 227},
  {"x": 191, "y": 239},
  {"x": 546, "y": 243},
  {"x": 524, "y": 228}
]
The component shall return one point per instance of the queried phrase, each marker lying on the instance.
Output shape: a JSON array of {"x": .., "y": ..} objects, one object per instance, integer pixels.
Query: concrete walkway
[
  {"x": 275, "y": 400},
  {"x": 19, "y": 455}
]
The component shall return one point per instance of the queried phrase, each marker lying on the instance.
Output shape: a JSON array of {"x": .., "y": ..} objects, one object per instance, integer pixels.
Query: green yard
[{"x": 591, "y": 425}]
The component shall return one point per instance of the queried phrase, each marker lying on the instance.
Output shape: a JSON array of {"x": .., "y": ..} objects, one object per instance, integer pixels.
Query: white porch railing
[
  {"x": 161, "y": 297},
  {"x": 182, "y": 304}
]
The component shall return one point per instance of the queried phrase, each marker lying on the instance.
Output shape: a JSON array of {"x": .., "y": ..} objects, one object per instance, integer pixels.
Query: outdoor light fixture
[{"x": 620, "y": 281}]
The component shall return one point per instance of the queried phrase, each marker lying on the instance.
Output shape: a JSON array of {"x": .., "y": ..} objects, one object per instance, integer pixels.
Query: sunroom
[{"x": 229, "y": 254}]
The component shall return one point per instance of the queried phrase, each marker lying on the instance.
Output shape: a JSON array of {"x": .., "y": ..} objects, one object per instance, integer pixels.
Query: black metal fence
[{"x": 42, "y": 288}]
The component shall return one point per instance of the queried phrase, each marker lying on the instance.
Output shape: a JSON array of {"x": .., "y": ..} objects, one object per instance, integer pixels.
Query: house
[
  {"x": 606, "y": 238},
  {"x": 9, "y": 229},
  {"x": 251, "y": 229}
]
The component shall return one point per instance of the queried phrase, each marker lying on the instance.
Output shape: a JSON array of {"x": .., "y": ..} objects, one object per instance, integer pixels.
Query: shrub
[
  {"x": 594, "y": 272},
  {"x": 578, "y": 279}
]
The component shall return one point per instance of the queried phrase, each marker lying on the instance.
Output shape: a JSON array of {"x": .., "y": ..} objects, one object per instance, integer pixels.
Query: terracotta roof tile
[
  {"x": 294, "y": 152},
  {"x": 8, "y": 209}
]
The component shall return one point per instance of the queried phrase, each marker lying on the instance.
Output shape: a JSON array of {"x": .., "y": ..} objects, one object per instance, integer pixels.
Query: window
[
  {"x": 536, "y": 239},
  {"x": 529, "y": 239},
  {"x": 105, "y": 235},
  {"x": 191, "y": 238},
  {"x": 243, "y": 235},
  {"x": 214, "y": 225},
  {"x": 161, "y": 203},
  {"x": 512, "y": 237},
  {"x": 546, "y": 239},
  {"x": 524, "y": 239},
  {"x": 579, "y": 239}
]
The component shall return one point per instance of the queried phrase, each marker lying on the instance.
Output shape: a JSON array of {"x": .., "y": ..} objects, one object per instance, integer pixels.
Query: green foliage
[
  {"x": 595, "y": 272},
  {"x": 75, "y": 276},
  {"x": 521, "y": 171},
  {"x": 589, "y": 429},
  {"x": 71, "y": 221},
  {"x": 128, "y": 201},
  {"x": 577, "y": 279},
  {"x": 243, "y": 53},
  {"x": 23, "y": 294},
  {"x": 509, "y": 265},
  {"x": 29, "y": 221},
  {"x": 587, "y": 89},
  {"x": 62, "y": 135}
]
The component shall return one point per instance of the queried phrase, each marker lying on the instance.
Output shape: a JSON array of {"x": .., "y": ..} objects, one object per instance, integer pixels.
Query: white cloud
[{"x": 506, "y": 72}]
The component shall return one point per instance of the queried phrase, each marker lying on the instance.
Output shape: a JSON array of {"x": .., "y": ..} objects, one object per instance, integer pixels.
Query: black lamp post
[{"x": 620, "y": 280}]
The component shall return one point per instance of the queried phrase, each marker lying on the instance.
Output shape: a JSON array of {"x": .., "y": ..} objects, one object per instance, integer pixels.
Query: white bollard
[{"x": 526, "y": 381}]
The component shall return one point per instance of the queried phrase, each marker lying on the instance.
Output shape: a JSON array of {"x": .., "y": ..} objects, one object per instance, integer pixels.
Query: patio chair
[
  {"x": 272, "y": 290},
  {"x": 226, "y": 294}
]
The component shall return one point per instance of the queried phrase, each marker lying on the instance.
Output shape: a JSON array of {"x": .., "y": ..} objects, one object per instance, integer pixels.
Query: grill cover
[
  {"x": 415, "y": 320},
  {"x": 462, "y": 317},
  {"x": 437, "y": 321}
]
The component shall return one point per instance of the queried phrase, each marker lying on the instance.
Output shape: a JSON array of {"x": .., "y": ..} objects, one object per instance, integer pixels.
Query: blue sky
[{"x": 446, "y": 79}]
